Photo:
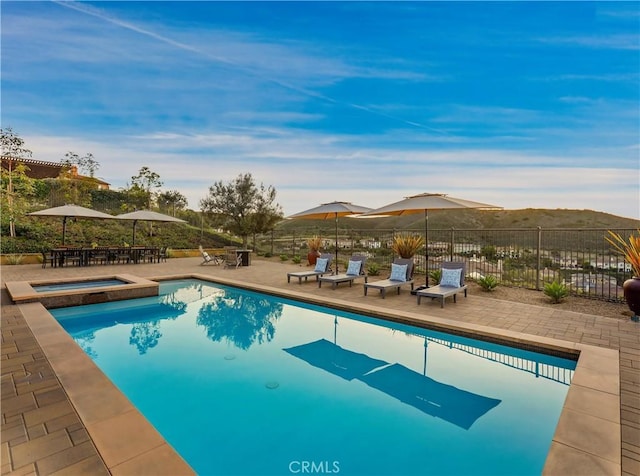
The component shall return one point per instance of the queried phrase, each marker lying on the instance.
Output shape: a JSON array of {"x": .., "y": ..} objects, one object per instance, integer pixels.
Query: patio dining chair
[
  {"x": 232, "y": 259},
  {"x": 47, "y": 257}
]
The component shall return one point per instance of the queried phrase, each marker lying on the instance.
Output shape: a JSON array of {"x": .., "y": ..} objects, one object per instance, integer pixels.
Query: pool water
[
  {"x": 242, "y": 383},
  {"x": 69, "y": 286}
]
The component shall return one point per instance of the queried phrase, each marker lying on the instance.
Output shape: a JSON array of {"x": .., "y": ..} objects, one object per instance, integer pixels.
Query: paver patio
[{"x": 42, "y": 432}]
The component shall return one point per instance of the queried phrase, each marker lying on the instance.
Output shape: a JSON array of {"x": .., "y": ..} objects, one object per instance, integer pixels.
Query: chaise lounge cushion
[
  {"x": 321, "y": 265},
  {"x": 450, "y": 277},
  {"x": 398, "y": 272},
  {"x": 354, "y": 268}
]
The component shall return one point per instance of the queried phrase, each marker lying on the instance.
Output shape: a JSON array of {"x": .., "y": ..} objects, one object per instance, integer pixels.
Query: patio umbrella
[
  {"x": 146, "y": 215},
  {"x": 333, "y": 210},
  {"x": 70, "y": 211},
  {"x": 422, "y": 204}
]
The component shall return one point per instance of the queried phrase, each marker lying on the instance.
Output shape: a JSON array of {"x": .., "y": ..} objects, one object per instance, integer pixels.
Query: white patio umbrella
[
  {"x": 330, "y": 210},
  {"x": 146, "y": 215},
  {"x": 422, "y": 203},
  {"x": 71, "y": 211}
]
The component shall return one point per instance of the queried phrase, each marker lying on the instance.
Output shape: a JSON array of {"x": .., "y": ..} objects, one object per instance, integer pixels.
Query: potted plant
[
  {"x": 406, "y": 245},
  {"x": 314, "y": 243},
  {"x": 631, "y": 252}
]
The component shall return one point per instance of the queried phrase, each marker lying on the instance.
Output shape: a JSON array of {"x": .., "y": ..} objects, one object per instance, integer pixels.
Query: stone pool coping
[{"x": 587, "y": 435}]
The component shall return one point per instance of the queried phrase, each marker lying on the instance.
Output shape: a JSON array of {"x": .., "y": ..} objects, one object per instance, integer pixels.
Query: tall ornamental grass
[{"x": 630, "y": 250}]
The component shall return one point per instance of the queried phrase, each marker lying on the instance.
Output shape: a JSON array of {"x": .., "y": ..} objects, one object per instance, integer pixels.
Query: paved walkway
[{"x": 42, "y": 434}]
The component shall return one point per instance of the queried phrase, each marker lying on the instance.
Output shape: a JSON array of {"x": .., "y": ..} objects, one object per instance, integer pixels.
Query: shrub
[
  {"x": 373, "y": 269},
  {"x": 284, "y": 257},
  {"x": 407, "y": 245},
  {"x": 556, "y": 291},
  {"x": 14, "y": 259},
  {"x": 268, "y": 254},
  {"x": 296, "y": 259},
  {"x": 488, "y": 283},
  {"x": 314, "y": 243},
  {"x": 435, "y": 275},
  {"x": 630, "y": 250}
]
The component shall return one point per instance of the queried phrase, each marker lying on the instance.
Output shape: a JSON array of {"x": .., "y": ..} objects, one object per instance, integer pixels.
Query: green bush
[
  {"x": 556, "y": 291},
  {"x": 284, "y": 257},
  {"x": 373, "y": 269},
  {"x": 296, "y": 259},
  {"x": 435, "y": 275},
  {"x": 488, "y": 283}
]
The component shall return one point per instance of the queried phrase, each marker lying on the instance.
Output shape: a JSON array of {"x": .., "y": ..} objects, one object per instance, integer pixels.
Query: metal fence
[{"x": 528, "y": 258}]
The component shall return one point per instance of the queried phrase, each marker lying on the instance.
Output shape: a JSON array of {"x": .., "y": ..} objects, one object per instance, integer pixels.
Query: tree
[
  {"x": 264, "y": 218},
  {"x": 144, "y": 182},
  {"x": 16, "y": 186},
  {"x": 87, "y": 164},
  {"x": 243, "y": 207},
  {"x": 173, "y": 200},
  {"x": 70, "y": 187}
]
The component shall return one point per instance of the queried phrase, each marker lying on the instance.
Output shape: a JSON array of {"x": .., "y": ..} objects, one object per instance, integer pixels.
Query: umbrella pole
[
  {"x": 64, "y": 229},
  {"x": 424, "y": 366},
  {"x": 336, "y": 242},
  {"x": 426, "y": 245},
  {"x": 133, "y": 240}
]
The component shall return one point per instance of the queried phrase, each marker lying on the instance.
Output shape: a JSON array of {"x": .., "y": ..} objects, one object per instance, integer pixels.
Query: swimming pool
[{"x": 287, "y": 386}]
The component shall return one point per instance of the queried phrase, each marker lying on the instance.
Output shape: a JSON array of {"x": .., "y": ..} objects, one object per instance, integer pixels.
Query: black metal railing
[{"x": 529, "y": 258}]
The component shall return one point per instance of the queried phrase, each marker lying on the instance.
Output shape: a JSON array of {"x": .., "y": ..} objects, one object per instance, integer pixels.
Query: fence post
[
  {"x": 453, "y": 240},
  {"x": 293, "y": 243},
  {"x": 538, "y": 257}
]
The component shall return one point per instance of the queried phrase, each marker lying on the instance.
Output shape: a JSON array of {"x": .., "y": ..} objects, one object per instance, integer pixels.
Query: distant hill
[{"x": 477, "y": 219}]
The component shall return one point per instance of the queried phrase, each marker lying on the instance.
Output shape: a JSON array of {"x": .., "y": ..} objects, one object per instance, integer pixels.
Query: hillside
[{"x": 478, "y": 219}]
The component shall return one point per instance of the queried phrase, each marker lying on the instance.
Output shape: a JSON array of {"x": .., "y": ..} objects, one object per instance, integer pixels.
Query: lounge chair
[
  {"x": 207, "y": 258},
  {"x": 451, "y": 283},
  {"x": 323, "y": 266},
  {"x": 355, "y": 270},
  {"x": 401, "y": 274}
]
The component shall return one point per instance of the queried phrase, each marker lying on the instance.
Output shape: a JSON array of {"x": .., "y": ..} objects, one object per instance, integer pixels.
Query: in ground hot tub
[{"x": 77, "y": 291}]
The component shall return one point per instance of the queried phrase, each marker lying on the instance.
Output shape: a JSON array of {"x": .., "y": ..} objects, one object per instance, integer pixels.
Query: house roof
[
  {"x": 38, "y": 169},
  {"x": 41, "y": 169}
]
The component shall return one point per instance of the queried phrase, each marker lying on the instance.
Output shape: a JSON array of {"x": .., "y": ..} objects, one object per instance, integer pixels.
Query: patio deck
[{"x": 42, "y": 432}]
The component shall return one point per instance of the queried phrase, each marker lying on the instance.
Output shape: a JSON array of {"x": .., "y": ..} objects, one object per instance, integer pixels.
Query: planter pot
[
  {"x": 312, "y": 257},
  {"x": 631, "y": 288}
]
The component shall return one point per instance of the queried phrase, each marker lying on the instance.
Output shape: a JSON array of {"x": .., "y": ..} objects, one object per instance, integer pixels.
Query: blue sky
[{"x": 522, "y": 105}]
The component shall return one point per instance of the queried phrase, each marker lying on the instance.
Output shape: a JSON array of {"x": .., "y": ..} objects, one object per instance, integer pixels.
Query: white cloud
[
  {"x": 336, "y": 172},
  {"x": 614, "y": 41}
]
